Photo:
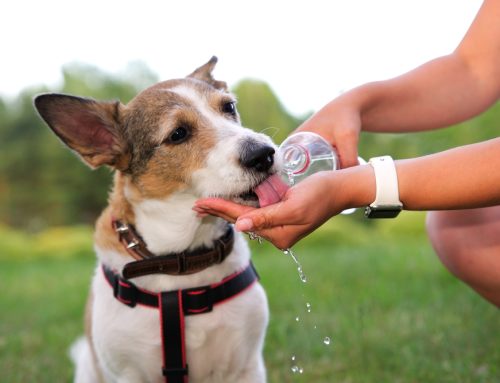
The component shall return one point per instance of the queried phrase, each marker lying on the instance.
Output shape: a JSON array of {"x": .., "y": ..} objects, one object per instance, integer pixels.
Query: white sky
[{"x": 308, "y": 51}]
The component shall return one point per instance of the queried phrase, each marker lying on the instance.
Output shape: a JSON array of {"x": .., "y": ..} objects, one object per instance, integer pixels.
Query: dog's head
[{"x": 177, "y": 135}]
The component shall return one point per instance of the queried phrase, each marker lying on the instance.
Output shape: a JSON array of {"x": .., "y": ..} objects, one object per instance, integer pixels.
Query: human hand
[
  {"x": 339, "y": 122},
  {"x": 304, "y": 207},
  {"x": 285, "y": 222}
]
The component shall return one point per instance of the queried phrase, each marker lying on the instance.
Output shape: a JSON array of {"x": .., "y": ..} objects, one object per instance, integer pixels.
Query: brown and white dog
[{"x": 175, "y": 142}]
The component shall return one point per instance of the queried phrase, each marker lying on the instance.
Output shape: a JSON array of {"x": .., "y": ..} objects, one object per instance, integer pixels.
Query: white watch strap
[{"x": 386, "y": 180}]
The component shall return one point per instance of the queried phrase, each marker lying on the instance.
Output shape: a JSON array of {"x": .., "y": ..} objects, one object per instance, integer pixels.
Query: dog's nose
[{"x": 258, "y": 157}]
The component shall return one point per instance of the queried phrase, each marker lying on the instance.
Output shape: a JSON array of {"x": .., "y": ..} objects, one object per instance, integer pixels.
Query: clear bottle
[
  {"x": 303, "y": 154},
  {"x": 306, "y": 153}
]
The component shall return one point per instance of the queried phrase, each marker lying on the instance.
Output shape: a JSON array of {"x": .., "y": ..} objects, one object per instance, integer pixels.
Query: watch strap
[{"x": 387, "y": 201}]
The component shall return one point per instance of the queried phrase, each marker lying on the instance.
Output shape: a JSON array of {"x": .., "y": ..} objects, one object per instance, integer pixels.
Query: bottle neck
[{"x": 296, "y": 159}]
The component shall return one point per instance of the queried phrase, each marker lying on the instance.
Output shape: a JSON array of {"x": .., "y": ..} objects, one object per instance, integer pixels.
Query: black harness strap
[
  {"x": 175, "y": 368},
  {"x": 174, "y": 305}
]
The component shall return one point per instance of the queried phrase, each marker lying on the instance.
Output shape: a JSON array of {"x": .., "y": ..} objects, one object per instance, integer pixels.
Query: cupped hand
[{"x": 304, "y": 208}]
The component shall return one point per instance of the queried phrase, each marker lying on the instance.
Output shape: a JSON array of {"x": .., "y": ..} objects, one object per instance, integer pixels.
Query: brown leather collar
[{"x": 183, "y": 263}]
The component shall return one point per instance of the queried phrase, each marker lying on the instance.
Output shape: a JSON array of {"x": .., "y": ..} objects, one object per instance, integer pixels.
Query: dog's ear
[
  {"x": 91, "y": 128},
  {"x": 204, "y": 73}
]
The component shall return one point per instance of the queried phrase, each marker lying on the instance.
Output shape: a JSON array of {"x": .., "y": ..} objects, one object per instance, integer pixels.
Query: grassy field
[{"x": 376, "y": 289}]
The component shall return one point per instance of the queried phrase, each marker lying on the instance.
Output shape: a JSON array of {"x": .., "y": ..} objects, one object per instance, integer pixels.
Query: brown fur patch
[
  {"x": 160, "y": 167},
  {"x": 170, "y": 167}
]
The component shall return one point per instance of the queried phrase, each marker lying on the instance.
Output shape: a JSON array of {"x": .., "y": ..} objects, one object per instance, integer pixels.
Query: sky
[{"x": 308, "y": 51}]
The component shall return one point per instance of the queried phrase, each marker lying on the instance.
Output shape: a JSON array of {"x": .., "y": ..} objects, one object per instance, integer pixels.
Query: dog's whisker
[{"x": 274, "y": 131}]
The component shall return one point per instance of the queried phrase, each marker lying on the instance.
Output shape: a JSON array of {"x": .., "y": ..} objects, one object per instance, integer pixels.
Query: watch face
[{"x": 381, "y": 212}]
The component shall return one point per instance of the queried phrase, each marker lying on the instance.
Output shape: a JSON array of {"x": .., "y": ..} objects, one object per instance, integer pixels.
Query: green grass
[{"x": 394, "y": 314}]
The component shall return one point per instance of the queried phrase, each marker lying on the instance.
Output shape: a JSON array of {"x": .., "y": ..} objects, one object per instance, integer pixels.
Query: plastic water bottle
[
  {"x": 306, "y": 153},
  {"x": 303, "y": 154}
]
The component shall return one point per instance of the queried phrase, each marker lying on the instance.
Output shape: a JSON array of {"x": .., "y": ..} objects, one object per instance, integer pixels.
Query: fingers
[{"x": 219, "y": 207}]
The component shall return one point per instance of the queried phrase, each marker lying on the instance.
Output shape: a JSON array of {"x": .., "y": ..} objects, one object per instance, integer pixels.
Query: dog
[{"x": 175, "y": 142}]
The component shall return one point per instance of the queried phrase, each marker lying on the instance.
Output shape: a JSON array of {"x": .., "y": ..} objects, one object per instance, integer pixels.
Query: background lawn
[{"x": 393, "y": 313}]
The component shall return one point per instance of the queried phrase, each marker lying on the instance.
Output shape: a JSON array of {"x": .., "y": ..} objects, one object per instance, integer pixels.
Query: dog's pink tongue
[{"x": 271, "y": 190}]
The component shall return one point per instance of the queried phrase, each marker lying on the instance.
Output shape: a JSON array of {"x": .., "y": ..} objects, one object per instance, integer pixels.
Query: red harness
[{"x": 174, "y": 305}]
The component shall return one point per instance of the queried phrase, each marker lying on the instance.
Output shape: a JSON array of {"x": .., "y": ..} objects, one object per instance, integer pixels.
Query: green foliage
[{"x": 54, "y": 242}]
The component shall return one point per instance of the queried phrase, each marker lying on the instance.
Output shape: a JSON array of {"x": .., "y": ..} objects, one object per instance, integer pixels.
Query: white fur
[
  {"x": 224, "y": 345},
  {"x": 82, "y": 358}
]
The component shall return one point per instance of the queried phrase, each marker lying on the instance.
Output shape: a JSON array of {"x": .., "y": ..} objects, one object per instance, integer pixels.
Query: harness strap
[
  {"x": 174, "y": 305},
  {"x": 175, "y": 369}
]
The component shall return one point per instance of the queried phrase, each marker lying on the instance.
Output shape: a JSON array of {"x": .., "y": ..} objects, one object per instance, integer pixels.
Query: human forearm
[
  {"x": 460, "y": 178},
  {"x": 464, "y": 177}
]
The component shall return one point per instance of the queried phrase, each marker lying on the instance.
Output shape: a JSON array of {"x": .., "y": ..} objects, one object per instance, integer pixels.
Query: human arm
[
  {"x": 442, "y": 92},
  {"x": 439, "y": 93},
  {"x": 464, "y": 177}
]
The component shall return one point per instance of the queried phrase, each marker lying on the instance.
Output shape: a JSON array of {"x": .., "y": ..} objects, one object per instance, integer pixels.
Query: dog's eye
[
  {"x": 229, "y": 107},
  {"x": 179, "y": 135}
]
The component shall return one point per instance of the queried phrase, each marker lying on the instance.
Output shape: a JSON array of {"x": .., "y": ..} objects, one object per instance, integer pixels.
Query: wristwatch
[{"x": 387, "y": 203}]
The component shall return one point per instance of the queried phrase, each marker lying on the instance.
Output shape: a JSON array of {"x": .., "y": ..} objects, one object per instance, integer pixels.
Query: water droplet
[
  {"x": 302, "y": 276},
  {"x": 327, "y": 340},
  {"x": 252, "y": 236},
  {"x": 308, "y": 307}
]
